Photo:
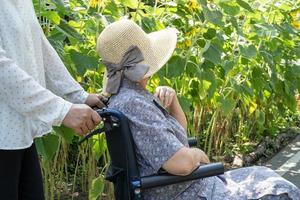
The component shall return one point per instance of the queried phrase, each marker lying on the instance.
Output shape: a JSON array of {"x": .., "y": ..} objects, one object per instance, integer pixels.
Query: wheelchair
[{"x": 123, "y": 170}]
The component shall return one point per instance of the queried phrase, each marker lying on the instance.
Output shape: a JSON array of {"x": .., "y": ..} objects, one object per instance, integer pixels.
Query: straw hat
[{"x": 156, "y": 47}]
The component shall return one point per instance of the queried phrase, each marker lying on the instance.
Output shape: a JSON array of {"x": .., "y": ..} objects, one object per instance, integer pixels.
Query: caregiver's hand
[
  {"x": 82, "y": 119},
  {"x": 95, "y": 100}
]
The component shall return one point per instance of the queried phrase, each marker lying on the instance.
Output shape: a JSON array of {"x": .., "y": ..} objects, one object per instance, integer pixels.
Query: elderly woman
[{"x": 158, "y": 123}]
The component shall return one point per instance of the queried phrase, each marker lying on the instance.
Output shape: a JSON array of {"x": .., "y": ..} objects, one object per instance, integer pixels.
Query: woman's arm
[
  {"x": 168, "y": 97},
  {"x": 154, "y": 139},
  {"x": 185, "y": 161},
  {"x": 177, "y": 112}
]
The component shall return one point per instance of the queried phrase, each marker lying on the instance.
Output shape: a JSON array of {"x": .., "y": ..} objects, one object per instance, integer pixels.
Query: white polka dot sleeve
[
  {"x": 58, "y": 79},
  {"x": 22, "y": 93}
]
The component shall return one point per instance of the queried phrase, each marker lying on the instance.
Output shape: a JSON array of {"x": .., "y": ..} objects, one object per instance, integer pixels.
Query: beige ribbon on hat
[{"x": 129, "y": 67}]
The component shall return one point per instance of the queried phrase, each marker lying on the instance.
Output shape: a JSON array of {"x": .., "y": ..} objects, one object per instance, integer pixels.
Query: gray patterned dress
[{"x": 158, "y": 136}]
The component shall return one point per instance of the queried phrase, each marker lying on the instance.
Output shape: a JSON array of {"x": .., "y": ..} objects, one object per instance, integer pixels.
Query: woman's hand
[
  {"x": 201, "y": 156},
  {"x": 166, "y": 95},
  {"x": 168, "y": 98},
  {"x": 185, "y": 161}
]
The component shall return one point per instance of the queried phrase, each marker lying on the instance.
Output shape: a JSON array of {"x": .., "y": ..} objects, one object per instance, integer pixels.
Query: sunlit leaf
[
  {"x": 130, "y": 3},
  {"x": 227, "y": 105},
  {"x": 230, "y": 9},
  {"x": 213, "y": 55},
  {"x": 248, "y": 51},
  {"x": 47, "y": 146},
  {"x": 175, "y": 66},
  {"x": 244, "y": 5},
  {"x": 83, "y": 61},
  {"x": 252, "y": 107},
  {"x": 213, "y": 16},
  {"x": 52, "y": 16},
  {"x": 185, "y": 104},
  {"x": 97, "y": 188},
  {"x": 69, "y": 31},
  {"x": 210, "y": 33},
  {"x": 65, "y": 132}
]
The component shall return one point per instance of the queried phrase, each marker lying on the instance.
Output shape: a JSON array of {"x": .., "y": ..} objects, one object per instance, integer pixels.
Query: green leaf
[
  {"x": 213, "y": 16},
  {"x": 230, "y": 9},
  {"x": 248, "y": 51},
  {"x": 99, "y": 146},
  {"x": 47, "y": 146},
  {"x": 69, "y": 31},
  {"x": 148, "y": 24},
  {"x": 65, "y": 132},
  {"x": 97, "y": 188},
  {"x": 204, "y": 88},
  {"x": 52, "y": 16},
  {"x": 210, "y": 33},
  {"x": 257, "y": 78},
  {"x": 267, "y": 57},
  {"x": 112, "y": 10},
  {"x": 83, "y": 61},
  {"x": 236, "y": 26},
  {"x": 59, "y": 3},
  {"x": 228, "y": 66},
  {"x": 210, "y": 76},
  {"x": 260, "y": 116},
  {"x": 203, "y": 2},
  {"x": 201, "y": 43},
  {"x": 227, "y": 105},
  {"x": 175, "y": 66},
  {"x": 185, "y": 104},
  {"x": 192, "y": 68},
  {"x": 213, "y": 55},
  {"x": 130, "y": 3},
  {"x": 244, "y": 5}
]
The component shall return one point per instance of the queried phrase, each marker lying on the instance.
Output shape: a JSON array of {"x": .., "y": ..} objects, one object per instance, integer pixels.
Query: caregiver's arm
[
  {"x": 168, "y": 98},
  {"x": 60, "y": 81},
  {"x": 21, "y": 92},
  {"x": 185, "y": 161}
]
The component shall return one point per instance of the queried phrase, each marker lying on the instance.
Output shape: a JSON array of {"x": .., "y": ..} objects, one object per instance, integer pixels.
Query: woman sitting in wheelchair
[{"x": 158, "y": 124}]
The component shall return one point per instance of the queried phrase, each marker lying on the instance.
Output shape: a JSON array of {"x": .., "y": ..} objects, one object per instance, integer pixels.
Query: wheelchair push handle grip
[
  {"x": 101, "y": 112},
  {"x": 109, "y": 120}
]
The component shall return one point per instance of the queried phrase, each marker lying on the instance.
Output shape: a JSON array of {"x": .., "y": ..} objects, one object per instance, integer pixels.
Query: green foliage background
[{"x": 236, "y": 70}]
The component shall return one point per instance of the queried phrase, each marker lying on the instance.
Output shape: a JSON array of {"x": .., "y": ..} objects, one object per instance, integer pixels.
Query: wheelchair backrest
[{"x": 123, "y": 168}]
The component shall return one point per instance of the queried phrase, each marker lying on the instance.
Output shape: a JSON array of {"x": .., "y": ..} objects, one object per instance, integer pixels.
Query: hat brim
[{"x": 163, "y": 44}]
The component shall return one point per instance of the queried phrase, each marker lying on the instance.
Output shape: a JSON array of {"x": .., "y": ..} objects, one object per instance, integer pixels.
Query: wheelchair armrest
[
  {"x": 192, "y": 142},
  {"x": 168, "y": 179}
]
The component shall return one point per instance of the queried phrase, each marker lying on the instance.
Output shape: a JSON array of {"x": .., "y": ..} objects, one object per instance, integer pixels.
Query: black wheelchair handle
[
  {"x": 109, "y": 123},
  {"x": 192, "y": 142},
  {"x": 203, "y": 171},
  {"x": 101, "y": 112}
]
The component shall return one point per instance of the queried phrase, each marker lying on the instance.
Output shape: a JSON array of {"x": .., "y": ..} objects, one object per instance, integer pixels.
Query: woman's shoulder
[{"x": 127, "y": 98}]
